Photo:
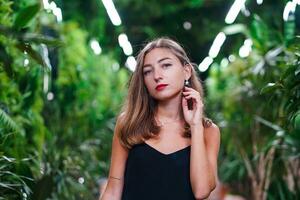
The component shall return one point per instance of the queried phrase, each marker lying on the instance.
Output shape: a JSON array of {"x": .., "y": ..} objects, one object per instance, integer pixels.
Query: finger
[
  {"x": 184, "y": 105},
  {"x": 194, "y": 93},
  {"x": 193, "y": 96},
  {"x": 189, "y": 93},
  {"x": 188, "y": 88},
  {"x": 196, "y": 102}
]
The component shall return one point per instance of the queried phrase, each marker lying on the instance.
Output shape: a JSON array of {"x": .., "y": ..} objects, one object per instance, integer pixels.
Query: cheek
[
  {"x": 147, "y": 84},
  {"x": 179, "y": 83},
  {"x": 179, "y": 79}
]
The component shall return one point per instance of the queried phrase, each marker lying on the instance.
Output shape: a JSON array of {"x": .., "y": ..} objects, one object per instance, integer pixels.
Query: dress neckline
[{"x": 166, "y": 154}]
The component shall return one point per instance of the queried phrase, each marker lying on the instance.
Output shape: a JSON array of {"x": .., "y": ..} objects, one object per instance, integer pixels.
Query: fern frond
[{"x": 7, "y": 121}]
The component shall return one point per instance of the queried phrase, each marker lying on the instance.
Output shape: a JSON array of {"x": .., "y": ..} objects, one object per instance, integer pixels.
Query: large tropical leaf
[{"x": 26, "y": 15}]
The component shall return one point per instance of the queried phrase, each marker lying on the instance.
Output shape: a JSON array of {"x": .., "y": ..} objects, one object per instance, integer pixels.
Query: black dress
[{"x": 152, "y": 175}]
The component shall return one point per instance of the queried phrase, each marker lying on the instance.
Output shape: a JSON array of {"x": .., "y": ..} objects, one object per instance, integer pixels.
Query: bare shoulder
[
  {"x": 119, "y": 122},
  {"x": 117, "y": 166},
  {"x": 212, "y": 142},
  {"x": 212, "y": 133},
  {"x": 213, "y": 128}
]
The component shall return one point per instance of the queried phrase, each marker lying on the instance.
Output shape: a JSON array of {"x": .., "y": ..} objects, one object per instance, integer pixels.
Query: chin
[{"x": 166, "y": 96}]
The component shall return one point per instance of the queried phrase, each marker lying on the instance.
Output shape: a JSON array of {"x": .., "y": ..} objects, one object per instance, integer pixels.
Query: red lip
[{"x": 160, "y": 86}]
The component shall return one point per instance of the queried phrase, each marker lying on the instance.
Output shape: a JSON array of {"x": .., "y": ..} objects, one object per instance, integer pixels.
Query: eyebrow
[{"x": 149, "y": 65}]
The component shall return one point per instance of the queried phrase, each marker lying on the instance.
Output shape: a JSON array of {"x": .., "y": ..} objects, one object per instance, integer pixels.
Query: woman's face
[{"x": 164, "y": 74}]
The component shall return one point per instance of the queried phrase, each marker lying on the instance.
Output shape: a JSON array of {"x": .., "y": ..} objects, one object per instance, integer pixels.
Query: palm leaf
[{"x": 8, "y": 122}]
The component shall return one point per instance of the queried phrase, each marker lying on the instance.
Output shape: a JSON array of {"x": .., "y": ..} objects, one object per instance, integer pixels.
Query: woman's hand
[{"x": 192, "y": 117}]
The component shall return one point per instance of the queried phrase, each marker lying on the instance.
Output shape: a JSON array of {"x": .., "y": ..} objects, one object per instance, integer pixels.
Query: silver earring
[{"x": 187, "y": 83}]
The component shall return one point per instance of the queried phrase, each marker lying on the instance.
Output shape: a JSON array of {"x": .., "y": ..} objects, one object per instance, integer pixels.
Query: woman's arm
[
  {"x": 115, "y": 182},
  {"x": 204, "y": 155}
]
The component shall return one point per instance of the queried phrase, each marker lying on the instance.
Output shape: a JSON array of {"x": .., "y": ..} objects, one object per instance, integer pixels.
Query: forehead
[{"x": 157, "y": 54}]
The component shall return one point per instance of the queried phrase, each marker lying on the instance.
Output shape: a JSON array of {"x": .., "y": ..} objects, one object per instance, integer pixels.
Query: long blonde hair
[{"x": 136, "y": 121}]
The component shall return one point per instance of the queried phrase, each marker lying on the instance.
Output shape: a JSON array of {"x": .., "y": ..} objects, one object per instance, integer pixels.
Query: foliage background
[{"x": 55, "y": 140}]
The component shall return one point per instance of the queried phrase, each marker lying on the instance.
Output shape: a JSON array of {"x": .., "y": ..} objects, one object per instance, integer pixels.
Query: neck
[{"x": 170, "y": 109}]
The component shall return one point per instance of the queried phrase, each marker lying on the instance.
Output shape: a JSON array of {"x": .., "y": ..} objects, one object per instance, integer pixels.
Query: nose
[{"x": 157, "y": 74}]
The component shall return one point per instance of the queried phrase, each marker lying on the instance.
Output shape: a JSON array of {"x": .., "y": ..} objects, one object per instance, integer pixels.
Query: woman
[{"x": 161, "y": 148}]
